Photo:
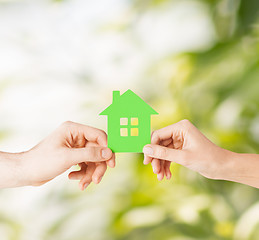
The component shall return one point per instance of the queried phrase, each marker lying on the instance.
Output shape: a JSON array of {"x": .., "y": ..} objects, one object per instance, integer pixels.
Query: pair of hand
[{"x": 75, "y": 144}]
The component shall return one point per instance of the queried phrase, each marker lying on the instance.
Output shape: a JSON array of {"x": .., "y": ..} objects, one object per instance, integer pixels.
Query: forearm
[
  {"x": 243, "y": 168},
  {"x": 10, "y": 169}
]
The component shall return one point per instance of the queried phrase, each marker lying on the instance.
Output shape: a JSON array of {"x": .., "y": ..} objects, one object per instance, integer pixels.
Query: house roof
[{"x": 128, "y": 103}]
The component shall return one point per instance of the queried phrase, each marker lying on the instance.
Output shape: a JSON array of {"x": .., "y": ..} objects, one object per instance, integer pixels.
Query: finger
[
  {"x": 166, "y": 142},
  {"x": 171, "y": 145},
  {"x": 99, "y": 172},
  {"x": 89, "y": 154},
  {"x": 82, "y": 165},
  {"x": 95, "y": 135},
  {"x": 87, "y": 179},
  {"x": 164, "y": 153},
  {"x": 160, "y": 175},
  {"x": 156, "y": 166},
  {"x": 168, "y": 131},
  {"x": 111, "y": 163},
  {"x": 76, "y": 175},
  {"x": 90, "y": 133},
  {"x": 147, "y": 159},
  {"x": 168, "y": 173}
]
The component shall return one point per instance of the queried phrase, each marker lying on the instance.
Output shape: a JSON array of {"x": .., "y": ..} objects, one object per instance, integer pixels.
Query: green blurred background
[{"x": 194, "y": 59}]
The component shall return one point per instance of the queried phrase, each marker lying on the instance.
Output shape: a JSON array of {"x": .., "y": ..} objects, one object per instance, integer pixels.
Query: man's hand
[{"x": 69, "y": 145}]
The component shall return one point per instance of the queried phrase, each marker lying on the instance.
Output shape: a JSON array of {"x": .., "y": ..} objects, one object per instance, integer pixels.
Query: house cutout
[{"x": 128, "y": 122}]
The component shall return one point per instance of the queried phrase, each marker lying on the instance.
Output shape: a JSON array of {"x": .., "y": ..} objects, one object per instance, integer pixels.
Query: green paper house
[{"x": 128, "y": 122}]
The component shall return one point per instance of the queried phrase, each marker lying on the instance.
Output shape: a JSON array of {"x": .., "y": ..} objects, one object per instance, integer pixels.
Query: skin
[
  {"x": 75, "y": 144},
  {"x": 69, "y": 145},
  {"x": 184, "y": 144}
]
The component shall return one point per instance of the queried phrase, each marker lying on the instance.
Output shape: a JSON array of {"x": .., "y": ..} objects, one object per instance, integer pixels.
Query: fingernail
[
  {"x": 106, "y": 153},
  {"x": 159, "y": 177},
  {"x": 111, "y": 164},
  {"x": 148, "y": 150},
  {"x": 97, "y": 180},
  {"x": 85, "y": 186}
]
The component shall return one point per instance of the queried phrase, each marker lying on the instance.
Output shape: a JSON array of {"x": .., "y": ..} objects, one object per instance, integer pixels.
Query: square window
[
  {"x": 124, "y": 132},
  {"x": 123, "y": 121},
  {"x": 134, "y": 121},
  {"x": 134, "y": 132}
]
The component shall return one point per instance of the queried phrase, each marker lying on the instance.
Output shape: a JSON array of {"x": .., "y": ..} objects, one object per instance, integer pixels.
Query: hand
[
  {"x": 184, "y": 144},
  {"x": 69, "y": 145}
]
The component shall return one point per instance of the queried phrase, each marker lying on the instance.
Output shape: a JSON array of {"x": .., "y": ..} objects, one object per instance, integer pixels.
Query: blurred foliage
[{"x": 217, "y": 89}]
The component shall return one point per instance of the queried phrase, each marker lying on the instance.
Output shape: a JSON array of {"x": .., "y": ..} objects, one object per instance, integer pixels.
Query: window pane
[
  {"x": 134, "y": 131},
  {"x": 124, "y": 121},
  {"x": 134, "y": 121},
  {"x": 124, "y": 132}
]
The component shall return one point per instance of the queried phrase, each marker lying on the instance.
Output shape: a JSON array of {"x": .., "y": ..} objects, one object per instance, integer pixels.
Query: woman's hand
[
  {"x": 183, "y": 143},
  {"x": 69, "y": 145}
]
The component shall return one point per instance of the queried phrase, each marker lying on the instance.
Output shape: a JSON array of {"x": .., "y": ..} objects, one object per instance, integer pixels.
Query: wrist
[
  {"x": 229, "y": 166},
  {"x": 225, "y": 165},
  {"x": 22, "y": 168}
]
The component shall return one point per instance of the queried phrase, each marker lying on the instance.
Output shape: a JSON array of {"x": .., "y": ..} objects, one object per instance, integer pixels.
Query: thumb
[
  {"x": 89, "y": 154},
  {"x": 164, "y": 153}
]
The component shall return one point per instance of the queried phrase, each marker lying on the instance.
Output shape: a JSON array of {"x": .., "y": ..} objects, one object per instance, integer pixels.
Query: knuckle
[
  {"x": 102, "y": 136},
  {"x": 87, "y": 178},
  {"x": 94, "y": 153},
  {"x": 102, "y": 133},
  {"x": 161, "y": 152},
  {"x": 152, "y": 133},
  {"x": 154, "y": 136},
  {"x": 185, "y": 122},
  {"x": 67, "y": 124},
  {"x": 104, "y": 167}
]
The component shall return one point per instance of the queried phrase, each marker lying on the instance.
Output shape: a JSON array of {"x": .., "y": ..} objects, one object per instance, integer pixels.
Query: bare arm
[
  {"x": 244, "y": 169},
  {"x": 10, "y": 165}
]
